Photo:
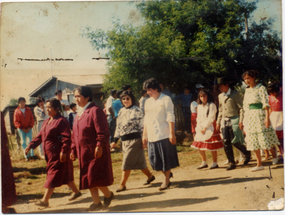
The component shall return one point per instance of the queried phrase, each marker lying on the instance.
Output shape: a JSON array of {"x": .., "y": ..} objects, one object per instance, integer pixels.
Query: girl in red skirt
[{"x": 207, "y": 138}]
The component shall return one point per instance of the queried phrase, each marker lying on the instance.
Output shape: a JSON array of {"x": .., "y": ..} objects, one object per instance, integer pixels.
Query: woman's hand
[
  {"x": 113, "y": 145},
  {"x": 203, "y": 131},
  {"x": 240, "y": 125},
  {"x": 27, "y": 150},
  {"x": 62, "y": 157},
  {"x": 144, "y": 144},
  {"x": 267, "y": 123},
  {"x": 172, "y": 139},
  {"x": 144, "y": 140},
  {"x": 218, "y": 127},
  {"x": 72, "y": 157},
  {"x": 98, "y": 152}
]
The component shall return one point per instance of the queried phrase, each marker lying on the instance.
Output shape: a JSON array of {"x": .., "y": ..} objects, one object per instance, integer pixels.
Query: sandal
[{"x": 42, "y": 204}]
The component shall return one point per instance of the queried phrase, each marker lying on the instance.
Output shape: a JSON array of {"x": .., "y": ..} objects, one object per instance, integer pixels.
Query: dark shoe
[
  {"x": 201, "y": 167},
  {"x": 107, "y": 201},
  {"x": 75, "y": 196},
  {"x": 42, "y": 204},
  {"x": 171, "y": 175},
  {"x": 214, "y": 167},
  {"x": 247, "y": 159},
  {"x": 231, "y": 166},
  {"x": 121, "y": 188},
  {"x": 94, "y": 207},
  {"x": 164, "y": 188},
  {"x": 149, "y": 180}
]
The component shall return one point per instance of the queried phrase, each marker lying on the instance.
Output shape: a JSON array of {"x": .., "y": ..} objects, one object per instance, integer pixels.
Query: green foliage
[
  {"x": 13, "y": 102},
  {"x": 185, "y": 42}
]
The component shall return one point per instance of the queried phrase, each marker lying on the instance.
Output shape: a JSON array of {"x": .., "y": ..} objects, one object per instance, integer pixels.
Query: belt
[
  {"x": 255, "y": 106},
  {"x": 131, "y": 136}
]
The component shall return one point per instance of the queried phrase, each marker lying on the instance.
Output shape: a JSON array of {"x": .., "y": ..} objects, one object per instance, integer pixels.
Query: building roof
[{"x": 80, "y": 80}]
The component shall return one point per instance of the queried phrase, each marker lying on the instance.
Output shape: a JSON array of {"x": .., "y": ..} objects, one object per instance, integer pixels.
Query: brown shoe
[
  {"x": 42, "y": 204},
  {"x": 75, "y": 196},
  {"x": 95, "y": 207},
  {"x": 121, "y": 188}
]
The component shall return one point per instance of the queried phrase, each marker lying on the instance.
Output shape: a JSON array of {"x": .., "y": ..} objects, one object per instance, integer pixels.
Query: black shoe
[
  {"x": 149, "y": 180},
  {"x": 164, "y": 188},
  {"x": 121, "y": 188},
  {"x": 94, "y": 207},
  {"x": 75, "y": 196},
  {"x": 107, "y": 201},
  {"x": 214, "y": 167},
  {"x": 231, "y": 166},
  {"x": 170, "y": 175},
  {"x": 201, "y": 167},
  {"x": 247, "y": 159}
]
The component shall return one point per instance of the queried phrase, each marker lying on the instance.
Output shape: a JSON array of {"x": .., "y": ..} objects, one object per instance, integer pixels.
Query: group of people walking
[{"x": 152, "y": 128}]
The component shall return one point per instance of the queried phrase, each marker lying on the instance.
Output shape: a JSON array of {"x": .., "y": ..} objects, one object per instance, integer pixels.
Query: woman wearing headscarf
[
  {"x": 56, "y": 138},
  {"x": 90, "y": 143}
]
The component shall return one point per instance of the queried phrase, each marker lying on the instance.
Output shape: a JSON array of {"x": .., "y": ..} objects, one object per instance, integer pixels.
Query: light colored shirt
[
  {"x": 158, "y": 113},
  {"x": 109, "y": 103},
  {"x": 206, "y": 115},
  {"x": 81, "y": 110},
  {"x": 65, "y": 114},
  {"x": 40, "y": 115},
  {"x": 193, "y": 107},
  {"x": 23, "y": 110},
  {"x": 142, "y": 102}
]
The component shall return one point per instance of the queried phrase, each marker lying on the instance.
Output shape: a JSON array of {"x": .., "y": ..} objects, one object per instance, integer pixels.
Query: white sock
[
  {"x": 215, "y": 164},
  {"x": 204, "y": 163}
]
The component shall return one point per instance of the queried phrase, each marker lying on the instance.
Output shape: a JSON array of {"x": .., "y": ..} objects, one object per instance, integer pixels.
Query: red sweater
[{"x": 21, "y": 121}]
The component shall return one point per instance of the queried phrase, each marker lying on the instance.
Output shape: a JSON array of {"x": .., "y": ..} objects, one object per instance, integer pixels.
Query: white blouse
[
  {"x": 204, "y": 120},
  {"x": 158, "y": 113},
  {"x": 193, "y": 106}
]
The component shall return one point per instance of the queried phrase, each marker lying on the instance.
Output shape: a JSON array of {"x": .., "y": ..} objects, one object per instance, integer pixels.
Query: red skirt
[
  {"x": 214, "y": 143},
  {"x": 193, "y": 122}
]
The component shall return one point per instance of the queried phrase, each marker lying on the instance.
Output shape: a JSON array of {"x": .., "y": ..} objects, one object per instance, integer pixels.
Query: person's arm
[
  {"x": 102, "y": 130},
  {"x": 212, "y": 115},
  {"x": 172, "y": 137},
  {"x": 265, "y": 104},
  {"x": 218, "y": 126},
  {"x": 144, "y": 137},
  {"x": 32, "y": 121},
  {"x": 239, "y": 102},
  {"x": 170, "y": 118}
]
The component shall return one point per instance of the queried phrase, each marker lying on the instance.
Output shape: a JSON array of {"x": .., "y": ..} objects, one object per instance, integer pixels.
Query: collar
[
  {"x": 80, "y": 112},
  {"x": 227, "y": 93}
]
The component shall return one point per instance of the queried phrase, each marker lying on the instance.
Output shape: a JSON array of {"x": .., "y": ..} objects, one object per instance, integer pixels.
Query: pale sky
[{"x": 52, "y": 30}]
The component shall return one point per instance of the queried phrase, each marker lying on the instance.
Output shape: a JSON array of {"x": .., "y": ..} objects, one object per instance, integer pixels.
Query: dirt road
[{"x": 191, "y": 190}]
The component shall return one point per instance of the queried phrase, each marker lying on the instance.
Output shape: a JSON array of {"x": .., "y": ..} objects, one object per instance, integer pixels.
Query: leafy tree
[
  {"x": 33, "y": 100},
  {"x": 188, "y": 41},
  {"x": 13, "y": 102}
]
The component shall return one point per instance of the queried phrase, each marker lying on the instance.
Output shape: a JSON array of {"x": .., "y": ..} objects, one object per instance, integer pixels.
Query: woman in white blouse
[
  {"x": 129, "y": 128},
  {"x": 159, "y": 131},
  {"x": 207, "y": 138}
]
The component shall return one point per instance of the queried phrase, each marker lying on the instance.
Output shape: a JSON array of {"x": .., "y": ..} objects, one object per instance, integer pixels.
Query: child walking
[
  {"x": 207, "y": 138},
  {"x": 259, "y": 132}
]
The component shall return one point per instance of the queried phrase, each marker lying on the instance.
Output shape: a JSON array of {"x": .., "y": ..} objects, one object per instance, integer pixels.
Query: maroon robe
[
  {"x": 89, "y": 131},
  {"x": 8, "y": 183},
  {"x": 56, "y": 138}
]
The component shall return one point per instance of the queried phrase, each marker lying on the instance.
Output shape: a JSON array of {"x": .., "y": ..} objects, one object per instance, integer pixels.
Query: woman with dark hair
[
  {"x": 40, "y": 114},
  {"x": 207, "y": 138},
  {"x": 129, "y": 128},
  {"x": 24, "y": 122},
  {"x": 90, "y": 143},
  {"x": 159, "y": 132},
  {"x": 56, "y": 138},
  {"x": 259, "y": 132}
]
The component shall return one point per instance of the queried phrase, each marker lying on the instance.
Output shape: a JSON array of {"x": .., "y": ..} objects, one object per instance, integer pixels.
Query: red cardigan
[{"x": 21, "y": 121}]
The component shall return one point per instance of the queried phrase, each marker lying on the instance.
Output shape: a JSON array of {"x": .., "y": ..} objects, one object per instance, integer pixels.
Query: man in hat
[{"x": 230, "y": 120}]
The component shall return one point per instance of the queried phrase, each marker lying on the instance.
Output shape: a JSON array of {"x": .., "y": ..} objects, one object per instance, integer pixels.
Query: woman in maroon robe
[
  {"x": 90, "y": 142},
  {"x": 8, "y": 183},
  {"x": 56, "y": 138}
]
